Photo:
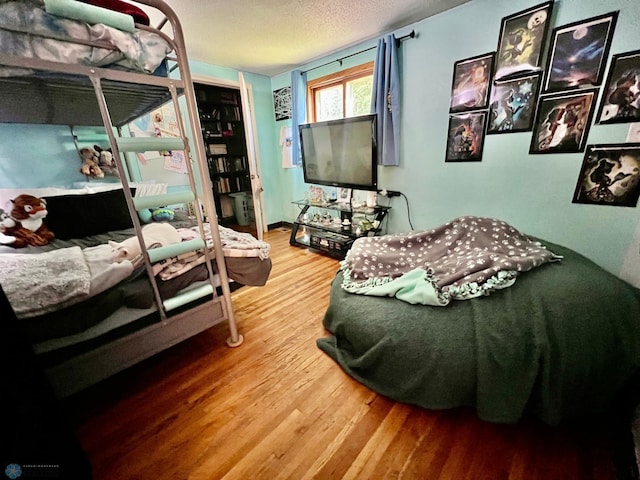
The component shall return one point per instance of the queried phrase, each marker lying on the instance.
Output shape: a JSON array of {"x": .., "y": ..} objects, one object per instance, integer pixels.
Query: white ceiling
[{"x": 270, "y": 37}]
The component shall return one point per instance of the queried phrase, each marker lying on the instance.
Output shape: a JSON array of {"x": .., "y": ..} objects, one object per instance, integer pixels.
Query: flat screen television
[{"x": 341, "y": 153}]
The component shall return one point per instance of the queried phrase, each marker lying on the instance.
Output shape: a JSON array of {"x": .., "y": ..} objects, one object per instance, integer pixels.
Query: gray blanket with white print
[{"x": 464, "y": 258}]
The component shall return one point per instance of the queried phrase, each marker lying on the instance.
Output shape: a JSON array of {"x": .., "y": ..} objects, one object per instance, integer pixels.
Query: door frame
[{"x": 252, "y": 150}]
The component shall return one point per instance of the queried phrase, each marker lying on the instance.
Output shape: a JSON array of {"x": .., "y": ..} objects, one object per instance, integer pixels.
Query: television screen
[{"x": 341, "y": 153}]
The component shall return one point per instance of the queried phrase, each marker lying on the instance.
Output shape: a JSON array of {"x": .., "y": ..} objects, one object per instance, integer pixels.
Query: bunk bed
[{"x": 61, "y": 65}]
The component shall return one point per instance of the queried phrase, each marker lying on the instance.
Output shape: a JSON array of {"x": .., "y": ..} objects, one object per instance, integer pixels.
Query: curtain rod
[{"x": 411, "y": 34}]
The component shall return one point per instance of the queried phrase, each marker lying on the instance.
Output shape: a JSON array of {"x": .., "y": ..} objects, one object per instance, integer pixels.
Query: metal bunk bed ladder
[{"x": 121, "y": 145}]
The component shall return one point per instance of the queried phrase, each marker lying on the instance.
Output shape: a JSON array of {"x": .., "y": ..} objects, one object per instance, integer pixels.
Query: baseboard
[{"x": 273, "y": 226}]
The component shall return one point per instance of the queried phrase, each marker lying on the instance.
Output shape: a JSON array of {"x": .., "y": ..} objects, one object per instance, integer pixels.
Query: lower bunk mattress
[
  {"x": 561, "y": 342},
  {"x": 126, "y": 306}
]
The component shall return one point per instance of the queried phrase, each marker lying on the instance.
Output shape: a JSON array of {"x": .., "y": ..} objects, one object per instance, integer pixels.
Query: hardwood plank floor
[{"x": 279, "y": 408}]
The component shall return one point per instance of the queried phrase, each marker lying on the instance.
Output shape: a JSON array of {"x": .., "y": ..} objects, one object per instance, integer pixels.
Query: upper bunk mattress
[{"x": 28, "y": 30}]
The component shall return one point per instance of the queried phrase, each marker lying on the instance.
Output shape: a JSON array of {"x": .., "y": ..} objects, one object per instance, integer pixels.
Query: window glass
[
  {"x": 329, "y": 103},
  {"x": 342, "y": 94},
  {"x": 358, "y": 98}
]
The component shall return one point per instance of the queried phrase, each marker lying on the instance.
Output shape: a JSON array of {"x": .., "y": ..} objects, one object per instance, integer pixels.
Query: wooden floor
[{"x": 279, "y": 408}]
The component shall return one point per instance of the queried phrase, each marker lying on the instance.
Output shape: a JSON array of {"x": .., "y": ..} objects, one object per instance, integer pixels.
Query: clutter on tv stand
[{"x": 331, "y": 227}]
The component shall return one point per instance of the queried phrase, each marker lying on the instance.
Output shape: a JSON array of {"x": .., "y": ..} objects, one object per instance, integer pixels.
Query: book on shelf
[
  {"x": 232, "y": 112},
  {"x": 217, "y": 149},
  {"x": 222, "y": 185}
]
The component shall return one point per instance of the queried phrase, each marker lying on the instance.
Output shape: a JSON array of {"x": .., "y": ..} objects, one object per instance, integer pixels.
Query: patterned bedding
[
  {"x": 27, "y": 30},
  {"x": 465, "y": 258},
  {"x": 48, "y": 281}
]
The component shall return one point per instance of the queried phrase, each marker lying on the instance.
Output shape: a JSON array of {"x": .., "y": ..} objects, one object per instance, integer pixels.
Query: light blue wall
[
  {"x": 38, "y": 156},
  {"x": 532, "y": 192}
]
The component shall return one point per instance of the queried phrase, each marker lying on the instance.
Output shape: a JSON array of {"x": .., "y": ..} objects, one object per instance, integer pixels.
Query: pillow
[
  {"x": 139, "y": 16},
  {"x": 78, "y": 216}
]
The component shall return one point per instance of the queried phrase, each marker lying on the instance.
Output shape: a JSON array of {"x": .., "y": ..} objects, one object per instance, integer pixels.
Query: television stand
[{"x": 331, "y": 227}]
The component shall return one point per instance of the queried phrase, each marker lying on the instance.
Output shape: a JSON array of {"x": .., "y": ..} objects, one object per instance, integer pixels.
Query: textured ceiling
[{"x": 270, "y": 37}]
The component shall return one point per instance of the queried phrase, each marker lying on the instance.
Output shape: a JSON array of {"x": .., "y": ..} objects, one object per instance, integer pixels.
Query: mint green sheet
[
  {"x": 558, "y": 343},
  {"x": 91, "y": 14}
]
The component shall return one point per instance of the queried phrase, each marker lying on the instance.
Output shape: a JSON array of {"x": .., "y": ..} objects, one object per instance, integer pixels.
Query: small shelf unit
[{"x": 332, "y": 227}]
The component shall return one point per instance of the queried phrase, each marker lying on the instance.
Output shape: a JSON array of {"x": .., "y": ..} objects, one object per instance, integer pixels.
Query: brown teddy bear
[{"x": 90, "y": 163}]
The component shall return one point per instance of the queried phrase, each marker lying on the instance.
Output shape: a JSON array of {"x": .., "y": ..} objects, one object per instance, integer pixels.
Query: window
[{"x": 342, "y": 94}]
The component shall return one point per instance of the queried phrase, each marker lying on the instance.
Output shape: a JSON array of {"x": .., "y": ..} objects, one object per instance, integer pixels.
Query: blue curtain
[
  {"x": 386, "y": 101},
  {"x": 298, "y": 111}
]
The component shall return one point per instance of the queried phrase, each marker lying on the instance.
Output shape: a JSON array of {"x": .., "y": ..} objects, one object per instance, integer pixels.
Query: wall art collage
[{"x": 508, "y": 91}]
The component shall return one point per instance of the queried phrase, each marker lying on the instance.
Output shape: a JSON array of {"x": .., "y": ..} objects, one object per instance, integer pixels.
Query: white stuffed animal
[
  {"x": 154, "y": 234},
  {"x": 6, "y": 223}
]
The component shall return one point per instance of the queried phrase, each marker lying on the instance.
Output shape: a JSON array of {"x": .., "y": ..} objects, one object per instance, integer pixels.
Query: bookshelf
[{"x": 220, "y": 111}]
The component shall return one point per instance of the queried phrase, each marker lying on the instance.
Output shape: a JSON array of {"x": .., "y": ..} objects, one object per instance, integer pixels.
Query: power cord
[
  {"x": 406, "y": 200},
  {"x": 393, "y": 193}
]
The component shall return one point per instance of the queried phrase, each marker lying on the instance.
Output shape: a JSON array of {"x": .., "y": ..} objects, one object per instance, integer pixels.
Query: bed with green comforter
[{"x": 559, "y": 342}]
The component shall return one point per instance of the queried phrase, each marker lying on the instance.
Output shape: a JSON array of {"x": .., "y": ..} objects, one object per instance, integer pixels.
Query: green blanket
[{"x": 558, "y": 343}]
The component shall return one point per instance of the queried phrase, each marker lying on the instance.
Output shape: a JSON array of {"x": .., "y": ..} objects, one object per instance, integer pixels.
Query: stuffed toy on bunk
[
  {"x": 90, "y": 163},
  {"x": 162, "y": 214},
  {"x": 6, "y": 222},
  {"x": 24, "y": 226},
  {"x": 106, "y": 161},
  {"x": 154, "y": 234}
]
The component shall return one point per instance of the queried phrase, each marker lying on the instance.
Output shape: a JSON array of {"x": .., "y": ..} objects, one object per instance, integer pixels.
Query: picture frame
[
  {"x": 620, "y": 101},
  {"x": 465, "y": 139},
  {"x": 512, "y": 104},
  {"x": 609, "y": 175},
  {"x": 471, "y": 83},
  {"x": 316, "y": 194},
  {"x": 282, "y": 103},
  {"x": 522, "y": 40},
  {"x": 578, "y": 53},
  {"x": 343, "y": 195},
  {"x": 562, "y": 121}
]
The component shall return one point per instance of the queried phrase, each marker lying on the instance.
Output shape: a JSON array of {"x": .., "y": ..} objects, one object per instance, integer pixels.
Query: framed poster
[
  {"x": 621, "y": 97},
  {"x": 471, "y": 82},
  {"x": 610, "y": 175},
  {"x": 465, "y": 138},
  {"x": 344, "y": 195},
  {"x": 513, "y": 104},
  {"x": 282, "y": 103},
  {"x": 579, "y": 52},
  {"x": 522, "y": 40},
  {"x": 562, "y": 122}
]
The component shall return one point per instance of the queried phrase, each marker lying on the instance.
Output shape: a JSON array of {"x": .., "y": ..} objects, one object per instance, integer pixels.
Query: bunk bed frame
[{"x": 66, "y": 95}]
